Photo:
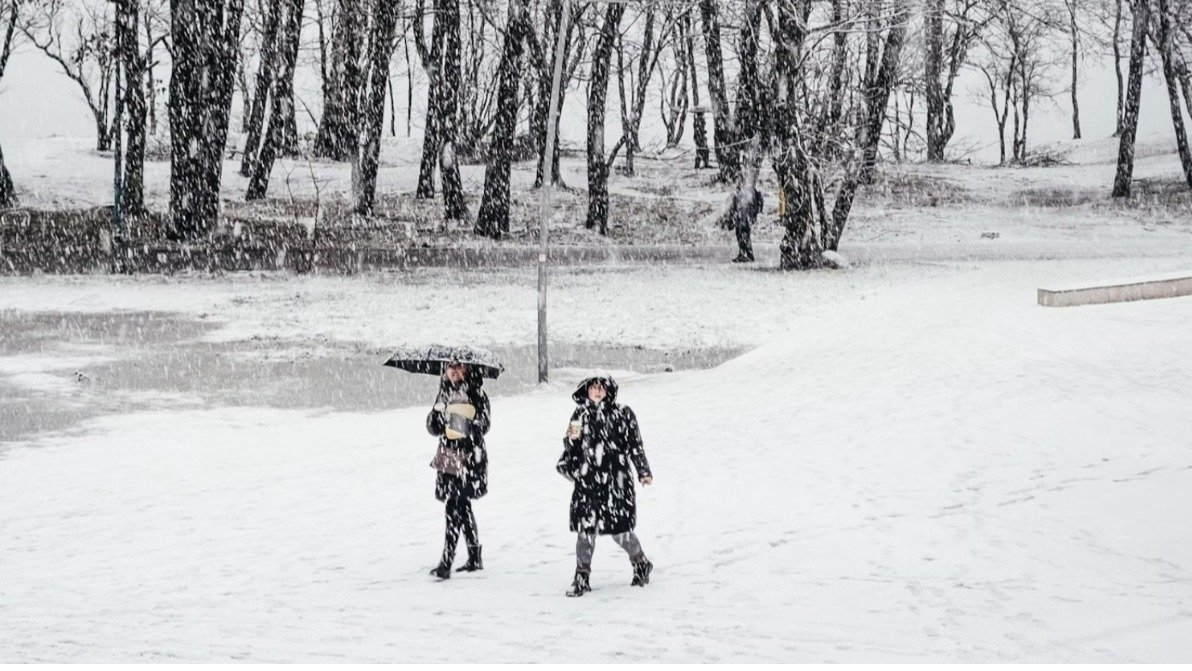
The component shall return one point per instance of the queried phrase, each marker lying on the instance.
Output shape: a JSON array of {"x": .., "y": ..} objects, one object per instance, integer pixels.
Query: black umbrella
[{"x": 433, "y": 360}]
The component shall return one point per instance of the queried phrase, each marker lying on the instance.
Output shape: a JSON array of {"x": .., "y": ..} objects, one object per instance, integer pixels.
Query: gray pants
[{"x": 585, "y": 547}]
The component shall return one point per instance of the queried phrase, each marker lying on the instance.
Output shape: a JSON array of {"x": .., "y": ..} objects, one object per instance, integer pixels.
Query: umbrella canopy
[{"x": 433, "y": 360}]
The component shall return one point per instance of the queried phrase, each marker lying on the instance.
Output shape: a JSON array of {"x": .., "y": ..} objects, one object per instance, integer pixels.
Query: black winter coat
[
  {"x": 474, "y": 483},
  {"x": 598, "y": 463}
]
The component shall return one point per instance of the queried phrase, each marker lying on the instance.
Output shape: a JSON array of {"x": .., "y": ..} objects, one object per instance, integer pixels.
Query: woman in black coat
[
  {"x": 602, "y": 441},
  {"x": 460, "y": 418}
]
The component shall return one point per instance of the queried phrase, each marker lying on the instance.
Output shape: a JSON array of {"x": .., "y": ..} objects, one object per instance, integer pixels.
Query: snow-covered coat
[
  {"x": 598, "y": 462},
  {"x": 474, "y": 483}
]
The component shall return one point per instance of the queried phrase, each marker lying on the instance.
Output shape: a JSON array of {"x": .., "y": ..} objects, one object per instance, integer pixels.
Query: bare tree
[
  {"x": 999, "y": 77},
  {"x": 432, "y": 62},
  {"x": 699, "y": 128},
  {"x": 204, "y": 36},
  {"x": 1117, "y": 65},
  {"x": 278, "y": 95},
  {"x": 1164, "y": 39},
  {"x": 801, "y": 159},
  {"x": 1028, "y": 32},
  {"x": 380, "y": 49},
  {"x": 597, "y": 94},
  {"x": 135, "y": 65},
  {"x": 965, "y": 21},
  {"x": 674, "y": 99},
  {"x": 1140, "y": 9},
  {"x": 79, "y": 36},
  {"x": 477, "y": 96},
  {"x": 634, "y": 106},
  {"x": 1073, "y": 6},
  {"x": 877, "y": 96},
  {"x": 254, "y": 107},
  {"x": 722, "y": 121},
  {"x": 454, "y": 206},
  {"x": 493, "y": 218},
  {"x": 9, "y": 17},
  {"x": 344, "y": 87},
  {"x": 541, "y": 51}
]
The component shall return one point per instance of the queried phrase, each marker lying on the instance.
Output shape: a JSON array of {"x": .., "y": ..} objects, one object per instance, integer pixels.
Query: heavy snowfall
[{"x": 795, "y": 255}]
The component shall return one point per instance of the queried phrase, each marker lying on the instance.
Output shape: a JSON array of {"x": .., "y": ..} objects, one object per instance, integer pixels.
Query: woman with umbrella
[
  {"x": 602, "y": 441},
  {"x": 460, "y": 418}
]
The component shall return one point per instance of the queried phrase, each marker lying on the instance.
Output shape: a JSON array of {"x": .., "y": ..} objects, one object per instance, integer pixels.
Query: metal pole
[{"x": 547, "y": 184}]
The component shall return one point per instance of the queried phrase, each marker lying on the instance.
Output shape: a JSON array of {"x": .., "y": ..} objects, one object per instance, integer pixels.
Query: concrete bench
[{"x": 1137, "y": 289}]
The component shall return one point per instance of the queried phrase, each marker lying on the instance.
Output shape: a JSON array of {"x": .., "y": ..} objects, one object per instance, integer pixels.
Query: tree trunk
[
  {"x": 839, "y": 62},
  {"x": 254, "y": 125},
  {"x": 279, "y": 104},
  {"x": 699, "y": 128},
  {"x": 674, "y": 99},
  {"x": 1164, "y": 43},
  {"x": 493, "y": 219},
  {"x": 1125, "y": 165},
  {"x": 1117, "y": 65},
  {"x": 645, "y": 67},
  {"x": 878, "y": 96},
  {"x": 205, "y": 35},
  {"x": 933, "y": 64},
  {"x": 751, "y": 103},
  {"x": 8, "y": 192},
  {"x": 431, "y": 143},
  {"x": 380, "y": 49},
  {"x": 392, "y": 111},
  {"x": 338, "y": 128},
  {"x": 454, "y": 206},
  {"x": 800, "y": 189},
  {"x": 722, "y": 122},
  {"x": 150, "y": 79},
  {"x": 597, "y": 94},
  {"x": 132, "y": 197},
  {"x": 1027, "y": 94},
  {"x": 1075, "y": 37},
  {"x": 103, "y": 136},
  {"x": 288, "y": 44}
]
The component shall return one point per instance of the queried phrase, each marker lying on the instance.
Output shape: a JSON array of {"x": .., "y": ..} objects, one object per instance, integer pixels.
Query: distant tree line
[{"x": 814, "y": 90}]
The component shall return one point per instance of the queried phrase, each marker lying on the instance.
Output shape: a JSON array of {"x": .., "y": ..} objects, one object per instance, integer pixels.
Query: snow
[
  {"x": 917, "y": 463},
  {"x": 58, "y": 375}
]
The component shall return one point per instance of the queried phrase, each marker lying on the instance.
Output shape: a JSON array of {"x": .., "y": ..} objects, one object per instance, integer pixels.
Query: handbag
[{"x": 449, "y": 461}]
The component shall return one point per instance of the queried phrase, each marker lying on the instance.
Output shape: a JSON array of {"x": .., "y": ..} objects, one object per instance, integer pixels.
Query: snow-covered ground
[{"x": 916, "y": 463}]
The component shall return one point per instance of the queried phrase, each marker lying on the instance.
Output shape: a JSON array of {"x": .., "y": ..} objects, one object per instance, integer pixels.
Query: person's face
[
  {"x": 596, "y": 392},
  {"x": 456, "y": 373}
]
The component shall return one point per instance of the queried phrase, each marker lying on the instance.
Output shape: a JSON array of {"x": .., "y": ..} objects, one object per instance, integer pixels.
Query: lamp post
[
  {"x": 548, "y": 180},
  {"x": 548, "y": 173}
]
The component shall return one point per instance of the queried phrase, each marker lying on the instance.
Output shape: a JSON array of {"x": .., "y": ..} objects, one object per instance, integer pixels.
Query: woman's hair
[{"x": 473, "y": 376}]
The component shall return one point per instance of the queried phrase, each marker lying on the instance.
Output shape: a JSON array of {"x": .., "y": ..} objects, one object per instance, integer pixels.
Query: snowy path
[{"x": 936, "y": 470}]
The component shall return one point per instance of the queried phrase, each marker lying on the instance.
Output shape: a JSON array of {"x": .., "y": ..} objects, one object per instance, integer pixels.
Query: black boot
[
  {"x": 442, "y": 571},
  {"x": 580, "y": 585},
  {"x": 474, "y": 563},
  {"x": 641, "y": 572}
]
